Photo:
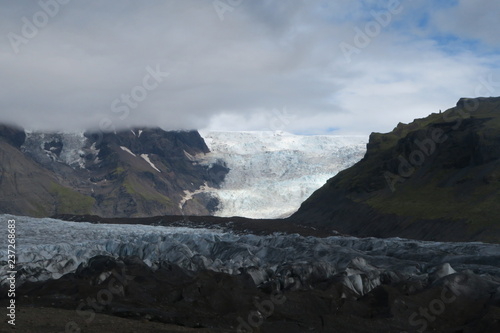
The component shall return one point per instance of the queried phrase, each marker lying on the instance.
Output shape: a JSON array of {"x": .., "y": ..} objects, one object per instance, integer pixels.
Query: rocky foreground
[
  {"x": 214, "y": 280},
  {"x": 128, "y": 288}
]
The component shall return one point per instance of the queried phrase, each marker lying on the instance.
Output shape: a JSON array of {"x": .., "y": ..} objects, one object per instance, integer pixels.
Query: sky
[{"x": 302, "y": 66}]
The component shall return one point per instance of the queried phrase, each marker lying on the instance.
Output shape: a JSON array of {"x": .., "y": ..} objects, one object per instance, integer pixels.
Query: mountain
[
  {"x": 272, "y": 173},
  {"x": 137, "y": 172},
  {"x": 148, "y": 171},
  {"x": 437, "y": 178}
]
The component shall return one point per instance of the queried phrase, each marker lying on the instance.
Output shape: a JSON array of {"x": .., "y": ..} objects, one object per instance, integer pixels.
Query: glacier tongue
[
  {"x": 272, "y": 173},
  {"x": 362, "y": 264}
]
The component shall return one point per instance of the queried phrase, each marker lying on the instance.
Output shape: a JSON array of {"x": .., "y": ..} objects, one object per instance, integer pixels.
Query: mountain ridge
[
  {"x": 130, "y": 173},
  {"x": 134, "y": 172},
  {"x": 436, "y": 178}
]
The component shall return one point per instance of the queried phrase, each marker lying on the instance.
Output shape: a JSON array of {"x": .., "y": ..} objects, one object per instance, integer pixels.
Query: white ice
[
  {"x": 47, "y": 248},
  {"x": 272, "y": 173}
]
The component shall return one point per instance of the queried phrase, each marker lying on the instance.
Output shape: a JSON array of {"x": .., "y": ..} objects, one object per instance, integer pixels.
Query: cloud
[
  {"x": 471, "y": 19},
  {"x": 90, "y": 63}
]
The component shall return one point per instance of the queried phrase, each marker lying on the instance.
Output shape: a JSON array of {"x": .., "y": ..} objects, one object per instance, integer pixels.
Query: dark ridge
[
  {"x": 13, "y": 135},
  {"x": 101, "y": 177},
  {"x": 437, "y": 178},
  {"x": 235, "y": 224}
]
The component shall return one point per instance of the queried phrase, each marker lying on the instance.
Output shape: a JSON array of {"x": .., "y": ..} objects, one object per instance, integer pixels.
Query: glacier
[
  {"x": 65, "y": 147},
  {"x": 272, "y": 173},
  {"x": 49, "y": 248}
]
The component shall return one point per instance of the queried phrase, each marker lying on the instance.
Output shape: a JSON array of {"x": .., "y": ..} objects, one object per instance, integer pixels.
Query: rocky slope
[
  {"x": 437, "y": 178},
  {"x": 219, "y": 302},
  {"x": 138, "y": 172}
]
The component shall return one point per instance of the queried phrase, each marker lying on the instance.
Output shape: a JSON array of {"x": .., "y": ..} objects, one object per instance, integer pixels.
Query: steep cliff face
[
  {"x": 137, "y": 172},
  {"x": 437, "y": 178}
]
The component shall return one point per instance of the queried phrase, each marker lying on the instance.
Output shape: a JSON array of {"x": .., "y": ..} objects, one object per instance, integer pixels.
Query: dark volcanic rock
[
  {"x": 55, "y": 146},
  {"x": 12, "y": 134},
  {"x": 457, "y": 302},
  {"x": 437, "y": 178},
  {"x": 130, "y": 173},
  {"x": 153, "y": 141}
]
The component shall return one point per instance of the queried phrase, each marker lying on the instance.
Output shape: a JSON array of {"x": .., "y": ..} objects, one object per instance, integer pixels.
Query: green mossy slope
[{"x": 437, "y": 178}]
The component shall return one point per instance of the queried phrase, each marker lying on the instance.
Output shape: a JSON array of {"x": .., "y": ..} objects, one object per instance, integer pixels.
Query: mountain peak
[{"x": 133, "y": 172}]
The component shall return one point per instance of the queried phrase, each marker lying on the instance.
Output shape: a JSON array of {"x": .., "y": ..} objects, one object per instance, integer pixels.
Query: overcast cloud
[{"x": 243, "y": 64}]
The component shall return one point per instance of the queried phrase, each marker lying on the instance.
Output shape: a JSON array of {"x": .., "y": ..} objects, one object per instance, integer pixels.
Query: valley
[{"x": 149, "y": 219}]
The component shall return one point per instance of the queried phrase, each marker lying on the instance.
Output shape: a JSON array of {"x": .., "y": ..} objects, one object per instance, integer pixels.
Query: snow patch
[
  {"x": 146, "y": 158},
  {"x": 188, "y": 195},
  {"x": 189, "y": 156},
  {"x": 128, "y": 151}
]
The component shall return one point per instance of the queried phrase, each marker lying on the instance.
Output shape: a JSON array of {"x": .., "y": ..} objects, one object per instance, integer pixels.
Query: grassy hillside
[{"x": 435, "y": 178}]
